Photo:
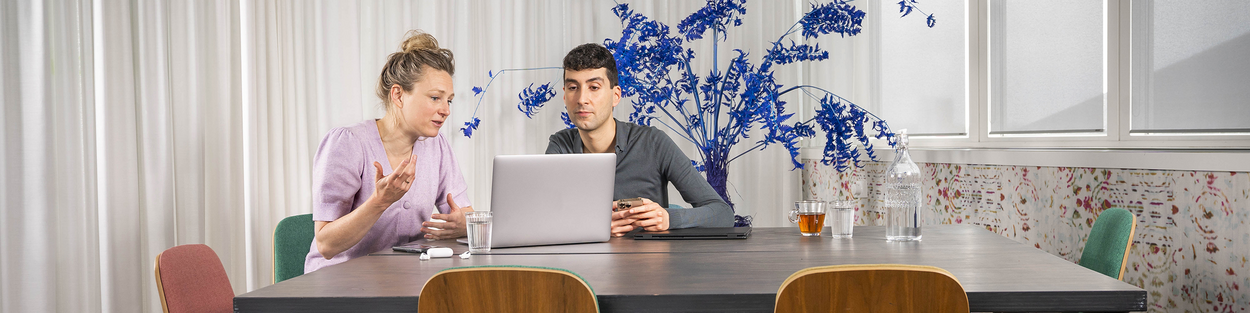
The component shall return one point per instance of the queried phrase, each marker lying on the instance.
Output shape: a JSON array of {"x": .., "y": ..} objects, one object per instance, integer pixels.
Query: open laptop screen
[{"x": 549, "y": 199}]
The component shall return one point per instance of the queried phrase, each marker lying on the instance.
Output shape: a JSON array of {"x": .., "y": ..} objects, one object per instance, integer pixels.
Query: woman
[{"x": 377, "y": 183}]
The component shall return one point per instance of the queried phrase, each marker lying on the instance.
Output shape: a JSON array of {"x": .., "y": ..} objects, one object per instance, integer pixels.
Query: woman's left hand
[{"x": 453, "y": 227}]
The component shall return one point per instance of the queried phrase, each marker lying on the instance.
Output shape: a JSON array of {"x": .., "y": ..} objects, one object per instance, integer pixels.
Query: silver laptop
[{"x": 551, "y": 199}]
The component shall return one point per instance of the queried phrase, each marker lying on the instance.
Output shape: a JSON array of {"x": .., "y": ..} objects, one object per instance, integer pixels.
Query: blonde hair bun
[
  {"x": 417, "y": 40},
  {"x": 417, "y": 52}
]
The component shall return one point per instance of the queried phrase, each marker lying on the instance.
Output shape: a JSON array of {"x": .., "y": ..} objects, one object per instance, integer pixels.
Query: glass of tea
[{"x": 810, "y": 215}]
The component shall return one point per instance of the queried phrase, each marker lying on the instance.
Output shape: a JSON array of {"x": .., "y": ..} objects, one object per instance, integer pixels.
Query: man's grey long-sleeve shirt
[{"x": 646, "y": 161}]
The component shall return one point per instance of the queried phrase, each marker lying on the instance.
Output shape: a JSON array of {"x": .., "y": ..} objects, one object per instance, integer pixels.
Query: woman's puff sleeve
[{"x": 338, "y": 173}]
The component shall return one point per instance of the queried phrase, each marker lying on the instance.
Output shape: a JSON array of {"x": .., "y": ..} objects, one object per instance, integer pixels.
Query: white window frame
[
  {"x": 1115, "y": 147},
  {"x": 1118, "y": 117}
]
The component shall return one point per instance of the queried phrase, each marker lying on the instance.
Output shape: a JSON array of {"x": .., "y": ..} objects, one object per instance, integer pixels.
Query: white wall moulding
[{"x": 1230, "y": 160}]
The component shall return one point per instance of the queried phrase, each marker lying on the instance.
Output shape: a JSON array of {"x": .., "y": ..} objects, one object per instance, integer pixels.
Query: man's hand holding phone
[
  {"x": 626, "y": 204},
  {"x": 629, "y": 214}
]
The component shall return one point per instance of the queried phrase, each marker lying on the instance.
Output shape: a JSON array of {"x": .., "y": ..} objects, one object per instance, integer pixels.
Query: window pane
[
  {"x": 922, "y": 72},
  {"x": 1191, "y": 65},
  {"x": 1046, "y": 66}
]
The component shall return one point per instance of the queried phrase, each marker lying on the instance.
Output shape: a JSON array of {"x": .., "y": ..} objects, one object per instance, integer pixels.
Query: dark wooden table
[{"x": 628, "y": 275}]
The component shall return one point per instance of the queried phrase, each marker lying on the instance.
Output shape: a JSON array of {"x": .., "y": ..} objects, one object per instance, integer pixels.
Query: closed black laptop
[{"x": 697, "y": 233}]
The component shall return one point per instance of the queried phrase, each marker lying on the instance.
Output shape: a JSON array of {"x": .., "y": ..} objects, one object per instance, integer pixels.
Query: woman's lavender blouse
[{"x": 343, "y": 178}]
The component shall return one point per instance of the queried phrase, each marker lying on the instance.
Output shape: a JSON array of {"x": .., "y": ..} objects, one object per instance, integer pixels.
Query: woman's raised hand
[{"x": 390, "y": 188}]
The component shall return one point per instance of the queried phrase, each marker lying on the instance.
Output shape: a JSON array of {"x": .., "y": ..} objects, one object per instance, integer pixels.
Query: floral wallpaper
[{"x": 1192, "y": 241}]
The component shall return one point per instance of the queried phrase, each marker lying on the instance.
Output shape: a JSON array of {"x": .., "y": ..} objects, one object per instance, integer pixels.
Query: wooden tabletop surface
[{"x": 722, "y": 275}]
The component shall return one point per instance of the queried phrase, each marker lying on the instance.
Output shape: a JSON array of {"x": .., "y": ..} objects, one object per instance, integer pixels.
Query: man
[{"x": 646, "y": 158}]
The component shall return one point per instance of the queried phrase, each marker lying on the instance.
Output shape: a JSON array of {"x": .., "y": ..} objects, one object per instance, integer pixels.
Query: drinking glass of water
[
  {"x": 479, "y": 223},
  {"x": 842, "y": 218}
]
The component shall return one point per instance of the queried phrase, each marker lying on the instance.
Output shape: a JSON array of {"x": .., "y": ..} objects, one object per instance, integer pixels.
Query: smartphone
[
  {"x": 413, "y": 247},
  {"x": 625, "y": 204}
]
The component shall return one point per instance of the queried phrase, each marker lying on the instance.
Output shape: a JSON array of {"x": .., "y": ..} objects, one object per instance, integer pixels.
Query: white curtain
[
  {"x": 120, "y": 140},
  {"x": 133, "y": 126},
  {"x": 48, "y": 228},
  {"x": 168, "y": 139}
]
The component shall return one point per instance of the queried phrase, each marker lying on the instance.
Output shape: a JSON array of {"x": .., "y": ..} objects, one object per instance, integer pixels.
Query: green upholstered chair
[
  {"x": 291, "y": 240},
  {"x": 1106, "y": 250},
  {"x": 507, "y": 288}
]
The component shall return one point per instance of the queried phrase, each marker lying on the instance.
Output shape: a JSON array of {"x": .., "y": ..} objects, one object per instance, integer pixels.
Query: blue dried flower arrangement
[{"x": 716, "y": 112}]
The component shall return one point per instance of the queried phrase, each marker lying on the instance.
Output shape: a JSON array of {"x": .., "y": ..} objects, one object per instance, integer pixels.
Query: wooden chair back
[
  {"x": 872, "y": 288},
  {"x": 506, "y": 289}
]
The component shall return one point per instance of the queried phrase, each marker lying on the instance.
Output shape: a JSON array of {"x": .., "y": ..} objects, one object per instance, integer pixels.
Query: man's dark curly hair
[{"x": 591, "y": 56}]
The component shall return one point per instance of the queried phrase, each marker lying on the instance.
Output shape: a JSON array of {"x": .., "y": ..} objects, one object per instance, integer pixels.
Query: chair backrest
[
  {"x": 1106, "y": 249},
  {"x": 291, "y": 241},
  {"x": 506, "y": 289},
  {"x": 190, "y": 278},
  {"x": 872, "y": 288}
]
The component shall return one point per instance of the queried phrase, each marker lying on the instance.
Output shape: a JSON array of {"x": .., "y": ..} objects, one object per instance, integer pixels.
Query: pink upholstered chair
[{"x": 190, "y": 278}]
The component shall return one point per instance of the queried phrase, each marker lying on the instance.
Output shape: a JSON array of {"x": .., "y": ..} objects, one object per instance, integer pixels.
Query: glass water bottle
[{"x": 902, "y": 195}]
